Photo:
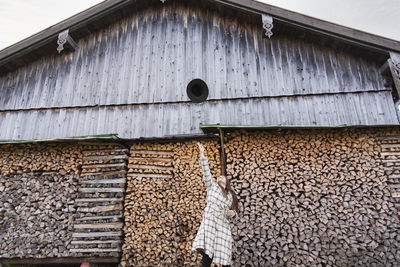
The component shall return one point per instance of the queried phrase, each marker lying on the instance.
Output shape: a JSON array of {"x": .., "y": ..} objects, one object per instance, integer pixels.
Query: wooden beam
[
  {"x": 104, "y": 157},
  {"x": 105, "y": 181},
  {"x": 93, "y": 218},
  {"x": 101, "y": 208},
  {"x": 150, "y": 175},
  {"x": 96, "y": 151},
  {"x": 94, "y": 250},
  {"x": 60, "y": 260},
  {"x": 98, "y": 225},
  {"x": 109, "y": 199},
  {"x": 151, "y": 152},
  {"x": 152, "y": 159},
  {"x": 150, "y": 167},
  {"x": 391, "y": 153},
  {"x": 112, "y": 165},
  {"x": 105, "y": 174},
  {"x": 388, "y": 138},
  {"x": 102, "y": 190},
  {"x": 223, "y": 164},
  {"x": 94, "y": 242},
  {"x": 97, "y": 234}
]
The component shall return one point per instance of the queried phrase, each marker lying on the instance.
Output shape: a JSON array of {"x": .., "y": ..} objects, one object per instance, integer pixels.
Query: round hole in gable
[{"x": 197, "y": 90}]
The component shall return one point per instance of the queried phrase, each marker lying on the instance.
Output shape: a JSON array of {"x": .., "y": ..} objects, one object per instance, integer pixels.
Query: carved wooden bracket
[
  {"x": 64, "y": 39},
  {"x": 267, "y": 21}
]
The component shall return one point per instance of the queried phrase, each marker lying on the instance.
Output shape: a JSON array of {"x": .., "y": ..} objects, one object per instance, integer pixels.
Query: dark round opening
[{"x": 197, "y": 91}]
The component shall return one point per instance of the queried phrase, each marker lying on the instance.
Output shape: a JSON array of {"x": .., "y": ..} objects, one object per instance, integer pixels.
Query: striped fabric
[{"x": 214, "y": 234}]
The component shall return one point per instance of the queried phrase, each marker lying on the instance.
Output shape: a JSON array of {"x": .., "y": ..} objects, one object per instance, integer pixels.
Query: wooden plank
[
  {"x": 390, "y": 160},
  {"x": 150, "y": 152},
  {"x": 93, "y": 218},
  {"x": 98, "y": 225},
  {"x": 101, "y": 208},
  {"x": 109, "y": 199},
  {"x": 94, "y": 250},
  {"x": 151, "y": 175},
  {"x": 391, "y": 153},
  {"x": 105, "y": 181},
  {"x": 394, "y": 137},
  {"x": 394, "y": 176},
  {"x": 104, "y": 157},
  {"x": 151, "y": 159},
  {"x": 119, "y": 150},
  {"x": 390, "y": 145},
  {"x": 105, "y": 174},
  {"x": 102, "y": 190},
  {"x": 97, "y": 234},
  {"x": 395, "y": 186},
  {"x": 61, "y": 260},
  {"x": 396, "y": 194},
  {"x": 111, "y": 165},
  {"x": 89, "y": 242},
  {"x": 150, "y": 167}
]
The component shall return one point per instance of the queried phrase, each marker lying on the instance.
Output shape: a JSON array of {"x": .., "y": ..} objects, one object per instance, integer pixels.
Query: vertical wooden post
[
  {"x": 223, "y": 162},
  {"x": 394, "y": 65}
]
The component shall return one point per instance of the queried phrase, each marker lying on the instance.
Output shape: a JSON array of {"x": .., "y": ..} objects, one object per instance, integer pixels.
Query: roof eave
[{"x": 367, "y": 40}]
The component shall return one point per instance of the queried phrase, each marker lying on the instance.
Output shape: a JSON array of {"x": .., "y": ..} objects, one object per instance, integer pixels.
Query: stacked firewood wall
[
  {"x": 164, "y": 202},
  {"x": 312, "y": 198},
  {"x": 61, "y": 200},
  {"x": 38, "y": 185},
  {"x": 306, "y": 198}
]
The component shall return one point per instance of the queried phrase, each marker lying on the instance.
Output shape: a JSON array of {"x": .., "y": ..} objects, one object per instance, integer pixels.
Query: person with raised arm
[{"x": 214, "y": 238}]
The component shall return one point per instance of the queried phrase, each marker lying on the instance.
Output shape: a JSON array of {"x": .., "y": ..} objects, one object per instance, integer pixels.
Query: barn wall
[
  {"x": 311, "y": 198},
  {"x": 161, "y": 120},
  {"x": 153, "y": 54},
  {"x": 140, "y": 67}
]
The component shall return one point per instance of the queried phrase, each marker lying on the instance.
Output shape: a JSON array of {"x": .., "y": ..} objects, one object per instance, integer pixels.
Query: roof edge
[
  {"x": 324, "y": 27},
  {"x": 214, "y": 128},
  {"x": 370, "y": 41},
  {"x": 102, "y": 137}
]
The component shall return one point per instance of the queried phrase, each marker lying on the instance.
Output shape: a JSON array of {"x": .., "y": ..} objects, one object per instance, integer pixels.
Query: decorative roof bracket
[
  {"x": 64, "y": 39},
  {"x": 267, "y": 21},
  {"x": 394, "y": 65}
]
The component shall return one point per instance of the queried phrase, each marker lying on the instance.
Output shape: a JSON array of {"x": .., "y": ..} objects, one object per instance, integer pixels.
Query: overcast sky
[{"x": 20, "y": 19}]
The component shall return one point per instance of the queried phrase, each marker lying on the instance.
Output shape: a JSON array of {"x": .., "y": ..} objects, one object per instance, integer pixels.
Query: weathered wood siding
[
  {"x": 151, "y": 56},
  {"x": 158, "y": 120}
]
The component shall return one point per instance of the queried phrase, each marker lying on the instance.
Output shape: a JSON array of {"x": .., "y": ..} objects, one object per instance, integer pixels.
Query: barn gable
[{"x": 129, "y": 75}]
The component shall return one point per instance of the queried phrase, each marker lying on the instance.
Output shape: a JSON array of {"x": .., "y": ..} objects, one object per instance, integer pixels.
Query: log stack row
[
  {"x": 27, "y": 158},
  {"x": 312, "y": 198},
  {"x": 164, "y": 202}
]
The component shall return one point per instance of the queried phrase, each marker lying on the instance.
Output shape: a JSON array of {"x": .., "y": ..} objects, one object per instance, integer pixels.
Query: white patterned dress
[{"x": 214, "y": 234}]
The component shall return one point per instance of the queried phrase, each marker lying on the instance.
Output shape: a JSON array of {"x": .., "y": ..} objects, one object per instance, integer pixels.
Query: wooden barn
[{"x": 100, "y": 115}]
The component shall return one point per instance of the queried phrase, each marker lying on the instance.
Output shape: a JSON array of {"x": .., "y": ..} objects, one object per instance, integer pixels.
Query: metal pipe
[{"x": 223, "y": 161}]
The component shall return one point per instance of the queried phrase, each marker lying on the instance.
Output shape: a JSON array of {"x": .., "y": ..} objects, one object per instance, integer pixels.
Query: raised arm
[{"x": 205, "y": 167}]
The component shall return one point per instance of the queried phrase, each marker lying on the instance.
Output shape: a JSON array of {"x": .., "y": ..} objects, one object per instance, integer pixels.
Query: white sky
[{"x": 20, "y": 19}]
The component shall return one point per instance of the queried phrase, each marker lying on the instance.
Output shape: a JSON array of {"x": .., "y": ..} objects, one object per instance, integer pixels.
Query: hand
[
  {"x": 201, "y": 148},
  {"x": 230, "y": 213}
]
